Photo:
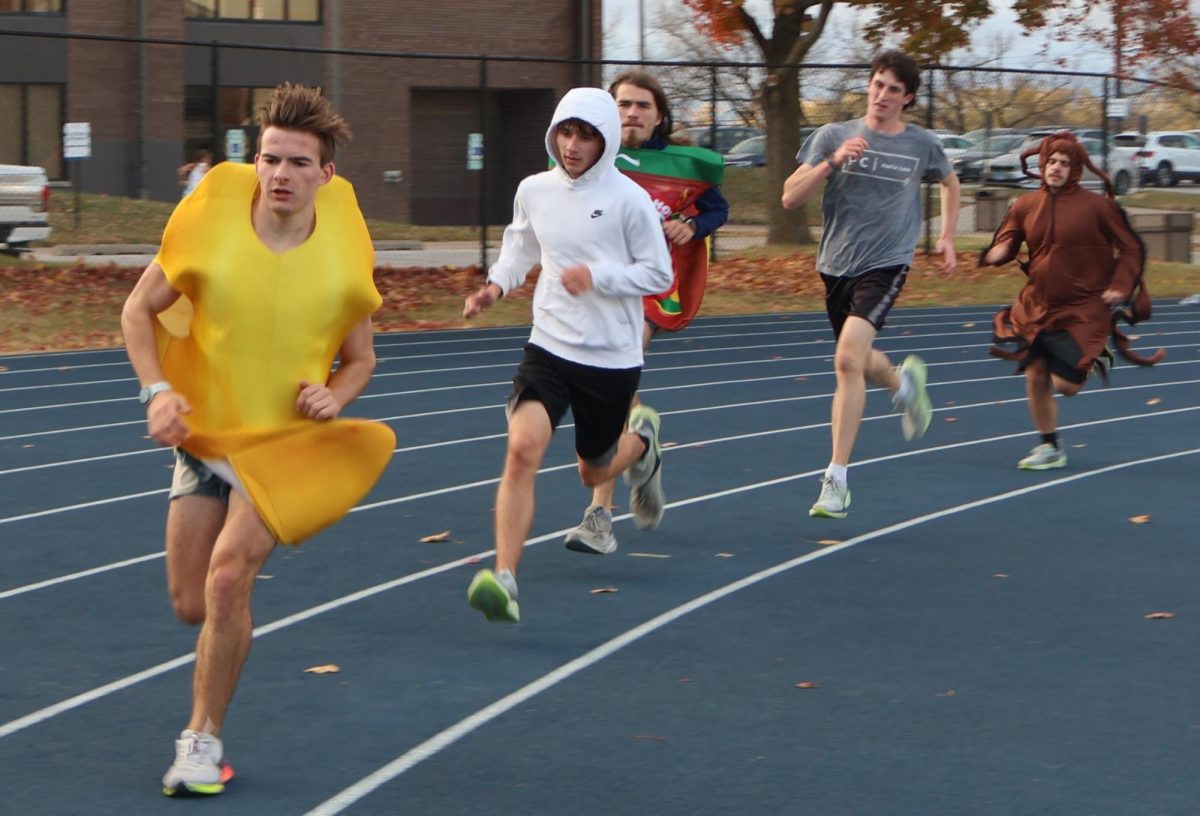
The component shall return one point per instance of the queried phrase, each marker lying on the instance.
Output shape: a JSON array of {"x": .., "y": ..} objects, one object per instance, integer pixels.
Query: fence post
[
  {"x": 214, "y": 67},
  {"x": 928, "y": 186},
  {"x": 1104, "y": 127},
  {"x": 487, "y": 148},
  {"x": 712, "y": 101}
]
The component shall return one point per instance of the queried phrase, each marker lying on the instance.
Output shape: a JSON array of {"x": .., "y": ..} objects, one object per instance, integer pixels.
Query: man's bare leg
[
  {"x": 1043, "y": 410},
  {"x": 529, "y": 434},
  {"x": 241, "y": 549},
  {"x": 855, "y": 362},
  {"x": 193, "y": 524}
]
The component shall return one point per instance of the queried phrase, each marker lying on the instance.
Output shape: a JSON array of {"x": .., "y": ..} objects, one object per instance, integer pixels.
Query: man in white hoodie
[{"x": 600, "y": 245}]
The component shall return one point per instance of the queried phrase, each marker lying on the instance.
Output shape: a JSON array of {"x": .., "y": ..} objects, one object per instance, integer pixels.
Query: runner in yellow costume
[{"x": 264, "y": 278}]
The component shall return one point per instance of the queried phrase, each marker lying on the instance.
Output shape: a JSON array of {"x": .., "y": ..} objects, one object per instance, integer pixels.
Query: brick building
[{"x": 151, "y": 106}]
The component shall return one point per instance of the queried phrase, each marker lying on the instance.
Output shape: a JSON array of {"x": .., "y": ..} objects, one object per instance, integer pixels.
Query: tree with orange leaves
[{"x": 1162, "y": 34}]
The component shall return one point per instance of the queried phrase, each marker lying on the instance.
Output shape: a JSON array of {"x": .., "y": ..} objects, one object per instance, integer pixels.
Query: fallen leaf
[
  {"x": 647, "y": 555},
  {"x": 1080, "y": 445},
  {"x": 828, "y": 542},
  {"x": 27, "y": 446},
  {"x": 1139, "y": 519},
  {"x": 1153, "y": 401},
  {"x": 947, "y": 693},
  {"x": 807, "y": 684},
  {"x": 1000, "y": 575},
  {"x": 802, "y": 379},
  {"x": 436, "y": 537},
  {"x": 649, "y": 737},
  {"x": 328, "y": 668},
  {"x": 474, "y": 559},
  {"x": 968, "y": 325},
  {"x": 724, "y": 555},
  {"x": 1160, "y": 616},
  {"x": 604, "y": 590},
  {"x": 776, "y": 356},
  {"x": 950, "y": 402},
  {"x": 264, "y": 577},
  {"x": 686, "y": 680},
  {"x": 669, "y": 444},
  {"x": 950, "y": 419},
  {"x": 906, "y": 332},
  {"x": 3, "y": 368}
]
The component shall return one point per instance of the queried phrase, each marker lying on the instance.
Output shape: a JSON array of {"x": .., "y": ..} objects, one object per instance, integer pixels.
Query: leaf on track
[
  {"x": 1139, "y": 519},
  {"x": 807, "y": 684},
  {"x": 328, "y": 668},
  {"x": 647, "y": 555},
  {"x": 1160, "y": 616},
  {"x": 605, "y": 590},
  {"x": 1153, "y": 401},
  {"x": 444, "y": 535},
  {"x": 829, "y": 542},
  {"x": 724, "y": 555}
]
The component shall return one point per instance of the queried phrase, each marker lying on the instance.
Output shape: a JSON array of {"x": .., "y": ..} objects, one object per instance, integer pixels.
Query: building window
[
  {"x": 31, "y": 6},
  {"x": 235, "y": 108},
  {"x": 34, "y": 135},
  {"x": 294, "y": 11}
]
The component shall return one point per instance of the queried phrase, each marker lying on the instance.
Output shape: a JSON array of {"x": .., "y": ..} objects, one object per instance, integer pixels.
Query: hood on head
[
  {"x": 1066, "y": 143},
  {"x": 598, "y": 109}
]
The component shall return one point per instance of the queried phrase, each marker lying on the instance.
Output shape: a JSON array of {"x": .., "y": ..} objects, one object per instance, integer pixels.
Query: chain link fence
[{"x": 441, "y": 141}]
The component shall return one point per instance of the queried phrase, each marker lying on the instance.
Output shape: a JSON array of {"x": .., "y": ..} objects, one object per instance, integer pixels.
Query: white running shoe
[
  {"x": 595, "y": 534},
  {"x": 834, "y": 501},
  {"x": 198, "y": 767},
  {"x": 647, "y": 501},
  {"x": 918, "y": 411}
]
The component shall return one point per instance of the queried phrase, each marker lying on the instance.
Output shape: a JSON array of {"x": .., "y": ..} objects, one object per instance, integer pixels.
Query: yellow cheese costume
[{"x": 249, "y": 326}]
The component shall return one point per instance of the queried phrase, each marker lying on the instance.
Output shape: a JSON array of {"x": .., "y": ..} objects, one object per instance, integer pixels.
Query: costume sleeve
[
  {"x": 650, "y": 271},
  {"x": 1131, "y": 253},
  {"x": 714, "y": 212},
  {"x": 519, "y": 249},
  {"x": 1012, "y": 229}
]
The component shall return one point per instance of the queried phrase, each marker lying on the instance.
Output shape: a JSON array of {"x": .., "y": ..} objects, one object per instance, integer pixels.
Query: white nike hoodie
[{"x": 603, "y": 220}]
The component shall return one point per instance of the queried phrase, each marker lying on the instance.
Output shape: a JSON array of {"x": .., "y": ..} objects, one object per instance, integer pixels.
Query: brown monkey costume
[{"x": 1080, "y": 244}]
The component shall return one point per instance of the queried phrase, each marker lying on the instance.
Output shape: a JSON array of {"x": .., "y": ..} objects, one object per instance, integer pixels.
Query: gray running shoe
[
  {"x": 918, "y": 411},
  {"x": 197, "y": 768},
  {"x": 834, "y": 502},
  {"x": 595, "y": 534},
  {"x": 1044, "y": 457},
  {"x": 1104, "y": 364},
  {"x": 495, "y": 595},
  {"x": 647, "y": 501}
]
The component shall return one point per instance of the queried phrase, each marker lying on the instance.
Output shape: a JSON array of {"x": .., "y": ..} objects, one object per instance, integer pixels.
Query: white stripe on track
[
  {"x": 78, "y": 700},
  {"x": 466, "y": 726}
]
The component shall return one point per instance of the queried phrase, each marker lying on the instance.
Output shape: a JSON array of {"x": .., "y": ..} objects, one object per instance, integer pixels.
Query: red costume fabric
[{"x": 1080, "y": 244}]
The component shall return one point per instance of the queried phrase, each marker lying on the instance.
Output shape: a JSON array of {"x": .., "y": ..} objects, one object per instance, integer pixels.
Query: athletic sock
[
  {"x": 1051, "y": 439},
  {"x": 838, "y": 472}
]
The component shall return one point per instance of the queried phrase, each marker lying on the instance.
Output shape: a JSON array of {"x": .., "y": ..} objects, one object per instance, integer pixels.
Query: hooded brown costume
[{"x": 1080, "y": 244}]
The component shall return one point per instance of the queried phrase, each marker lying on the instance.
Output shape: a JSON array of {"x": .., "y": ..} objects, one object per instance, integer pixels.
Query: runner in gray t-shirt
[{"x": 872, "y": 209}]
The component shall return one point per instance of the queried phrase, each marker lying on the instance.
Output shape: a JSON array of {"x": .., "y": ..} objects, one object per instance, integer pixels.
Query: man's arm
[
  {"x": 951, "y": 195},
  {"x": 356, "y": 363},
  {"x": 151, "y": 295},
  {"x": 802, "y": 183}
]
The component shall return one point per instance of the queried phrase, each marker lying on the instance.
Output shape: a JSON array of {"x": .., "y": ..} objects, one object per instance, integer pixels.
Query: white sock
[
  {"x": 905, "y": 391},
  {"x": 838, "y": 472}
]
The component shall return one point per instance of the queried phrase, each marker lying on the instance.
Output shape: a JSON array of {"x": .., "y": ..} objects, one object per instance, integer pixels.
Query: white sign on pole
[
  {"x": 474, "y": 151},
  {"x": 235, "y": 145},
  {"x": 77, "y": 140},
  {"x": 1118, "y": 108}
]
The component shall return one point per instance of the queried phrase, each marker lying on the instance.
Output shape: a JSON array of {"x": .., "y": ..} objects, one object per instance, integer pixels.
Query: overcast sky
[{"x": 621, "y": 33}]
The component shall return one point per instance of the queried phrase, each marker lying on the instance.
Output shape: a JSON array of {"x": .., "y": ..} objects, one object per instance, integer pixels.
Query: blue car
[{"x": 750, "y": 152}]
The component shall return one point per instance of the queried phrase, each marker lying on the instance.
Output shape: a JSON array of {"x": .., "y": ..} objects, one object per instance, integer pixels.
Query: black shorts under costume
[
  {"x": 870, "y": 295},
  {"x": 599, "y": 399}
]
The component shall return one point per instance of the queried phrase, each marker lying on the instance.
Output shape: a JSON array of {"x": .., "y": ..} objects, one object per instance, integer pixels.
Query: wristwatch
[{"x": 147, "y": 393}]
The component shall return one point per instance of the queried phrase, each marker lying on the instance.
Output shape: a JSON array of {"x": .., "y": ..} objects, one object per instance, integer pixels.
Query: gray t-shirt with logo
[{"x": 872, "y": 206}]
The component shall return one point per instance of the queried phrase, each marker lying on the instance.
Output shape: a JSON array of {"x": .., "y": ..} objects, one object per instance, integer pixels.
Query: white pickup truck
[{"x": 24, "y": 205}]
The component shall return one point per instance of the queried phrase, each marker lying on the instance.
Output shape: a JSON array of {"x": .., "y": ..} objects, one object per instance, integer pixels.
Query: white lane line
[
  {"x": 50, "y": 582},
  {"x": 48, "y": 712},
  {"x": 466, "y": 726},
  {"x": 83, "y": 461},
  {"x": 53, "y": 511}
]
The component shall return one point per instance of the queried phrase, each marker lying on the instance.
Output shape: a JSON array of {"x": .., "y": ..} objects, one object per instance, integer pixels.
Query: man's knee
[
  {"x": 1066, "y": 387},
  {"x": 188, "y": 605}
]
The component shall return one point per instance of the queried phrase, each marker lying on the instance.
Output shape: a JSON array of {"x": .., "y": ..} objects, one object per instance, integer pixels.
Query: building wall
[{"x": 137, "y": 152}]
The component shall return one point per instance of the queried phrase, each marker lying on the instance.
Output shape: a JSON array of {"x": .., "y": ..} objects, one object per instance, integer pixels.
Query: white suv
[{"x": 1165, "y": 157}]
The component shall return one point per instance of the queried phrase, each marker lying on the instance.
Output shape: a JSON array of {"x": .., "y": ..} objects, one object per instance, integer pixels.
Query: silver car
[
  {"x": 1123, "y": 170},
  {"x": 24, "y": 205}
]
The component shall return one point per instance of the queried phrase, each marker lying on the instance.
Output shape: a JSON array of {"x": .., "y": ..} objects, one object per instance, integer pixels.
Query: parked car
[
  {"x": 24, "y": 205},
  {"x": 1164, "y": 157},
  {"x": 954, "y": 145},
  {"x": 969, "y": 165},
  {"x": 1122, "y": 167},
  {"x": 727, "y": 137},
  {"x": 750, "y": 152}
]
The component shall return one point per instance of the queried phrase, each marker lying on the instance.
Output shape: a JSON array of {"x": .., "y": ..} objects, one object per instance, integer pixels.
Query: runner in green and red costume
[{"x": 683, "y": 183}]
